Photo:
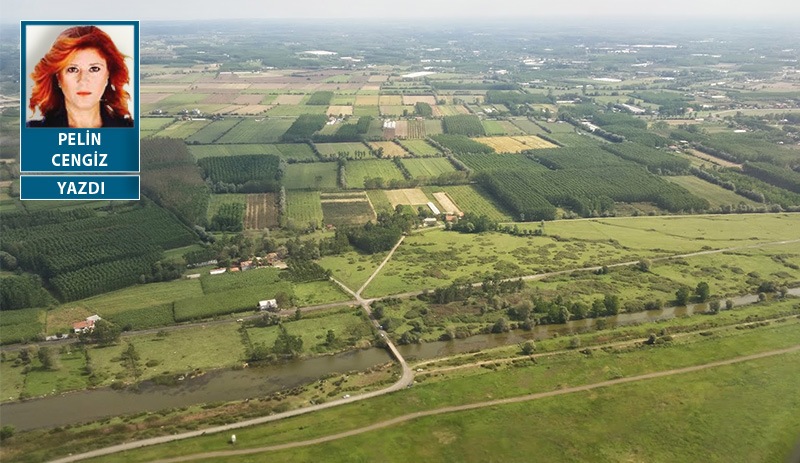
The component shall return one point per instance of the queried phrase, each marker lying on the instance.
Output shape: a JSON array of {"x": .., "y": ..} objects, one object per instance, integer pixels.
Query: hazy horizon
[{"x": 766, "y": 10}]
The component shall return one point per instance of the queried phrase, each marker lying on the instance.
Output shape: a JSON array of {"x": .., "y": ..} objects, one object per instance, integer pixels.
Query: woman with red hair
[{"x": 79, "y": 82}]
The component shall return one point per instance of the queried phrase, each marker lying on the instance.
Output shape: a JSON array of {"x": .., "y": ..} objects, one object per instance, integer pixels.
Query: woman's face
[{"x": 84, "y": 80}]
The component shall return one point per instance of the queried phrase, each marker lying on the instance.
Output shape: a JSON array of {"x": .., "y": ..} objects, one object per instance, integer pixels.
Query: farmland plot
[
  {"x": 217, "y": 201},
  {"x": 431, "y": 167},
  {"x": 359, "y": 171},
  {"x": 414, "y": 99},
  {"x": 367, "y": 100},
  {"x": 515, "y": 144},
  {"x": 211, "y": 132},
  {"x": 182, "y": 129},
  {"x": 390, "y": 149},
  {"x": 401, "y": 129},
  {"x": 468, "y": 198},
  {"x": 311, "y": 176},
  {"x": 391, "y": 100},
  {"x": 448, "y": 206},
  {"x": 297, "y": 151},
  {"x": 257, "y": 131},
  {"x": 415, "y": 129},
  {"x": 261, "y": 212},
  {"x": 419, "y": 148},
  {"x": 340, "y": 110},
  {"x": 303, "y": 208},
  {"x": 433, "y": 127},
  {"x": 347, "y": 210},
  {"x": 409, "y": 196},
  {"x": 527, "y": 127},
  {"x": 289, "y": 99},
  {"x": 208, "y": 151},
  {"x": 351, "y": 150}
]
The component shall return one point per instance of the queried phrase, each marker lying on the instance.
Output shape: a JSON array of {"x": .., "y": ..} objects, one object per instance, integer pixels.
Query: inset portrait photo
[{"x": 79, "y": 76}]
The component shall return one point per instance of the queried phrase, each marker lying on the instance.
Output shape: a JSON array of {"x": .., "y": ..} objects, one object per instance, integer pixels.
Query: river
[{"x": 227, "y": 384}]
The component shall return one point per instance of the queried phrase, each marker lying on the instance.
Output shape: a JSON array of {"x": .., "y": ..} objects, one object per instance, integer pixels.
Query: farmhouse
[
  {"x": 85, "y": 325},
  {"x": 269, "y": 304}
]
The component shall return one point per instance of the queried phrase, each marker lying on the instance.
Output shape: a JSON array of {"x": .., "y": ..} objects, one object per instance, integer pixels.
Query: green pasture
[
  {"x": 311, "y": 176},
  {"x": 318, "y": 292},
  {"x": 357, "y": 172},
  {"x": 257, "y": 130},
  {"x": 303, "y": 208},
  {"x": 348, "y": 326},
  {"x": 352, "y": 268},
  {"x": 379, "y": 201}
]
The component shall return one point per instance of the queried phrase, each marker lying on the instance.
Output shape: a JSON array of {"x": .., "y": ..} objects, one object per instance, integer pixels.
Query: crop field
[
  {"x": 359, "y": 171},
  {"x": 494, "y": 127},
  {"x": 211, "y": 132},
  {"x": 714, "y": 194},
  {"x": 515, "y": 144},
  {"x": 297, "y": 151},
  {"x": 414, "y": 99},
  {"x": 261, "y": 211},
  {"x": 527, "y": 127},
  {"x": 285, "y": 99},
  {"x": 311, "y": 176},
  {"x": 21, "y": 325},
  {"x": 340, "y": 110},
  {"x": 390, "y": 149},
  {"x": 468, "y": 198},
  {"x": 399, "y": 110},
  {"x": 391, "y": 100},
  {"x": 257, "y": 131},
  {"x": 154, "y": 124},
  {"x": 296, "y": 110},
  {"x": 303, "y": 208},
  {"x": 447, "y": 204},
  {"x": 431, "y": 167},
  {"x": 211, "y": 151},
  {"x": 713, "y": 159},
  {"x": 351, "y": 150},
  {"x": 356, "y": 211},
  {"x": 217, "y": 201},
  {"x": 367, "y": 100},
  {"x": 415, "y": 129},
  {"x": 419, "y": 148},
  {"x": 449, "y": 110},
  {"x": 433, "y": 127},
  {"x": 181, "y": 129},
  {"x": 401, "y": 129},
  {"x": 407, "y": 196}
]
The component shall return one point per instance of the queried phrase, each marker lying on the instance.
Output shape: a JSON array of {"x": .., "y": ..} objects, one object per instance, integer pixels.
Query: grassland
[
  {"x": 468, "y": 198},
  {"x": 303, "y": 208},
  {"x": 347, "y": 212},
  {"x": 697, "y": 403},
  {"x": 433, "y": 127},
  {"x": 296, "y": 110},
  {"x": 389, "y": 149},
  {"x": 352, "y": 268},
  {"x": 428, "y": 168},
  {"x": 181, "y": 129},
  {"x": 311, "y": 176},
  {"x": 358, "y": 171},
  {"x": 379, "y": 201},
  {"x": 439, "y": 257},
  {"x": 207, "y": 151},
  {"x": 211, "y": 132}
]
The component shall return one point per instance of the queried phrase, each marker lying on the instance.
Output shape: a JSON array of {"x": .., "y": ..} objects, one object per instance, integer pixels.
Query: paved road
[{"x": 473, "y": 406}]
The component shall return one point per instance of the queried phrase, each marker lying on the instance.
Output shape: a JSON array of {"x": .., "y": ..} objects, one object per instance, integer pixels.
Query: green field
[
  {"x": 296, "y": 110},
  {"x": 358, "y": 171},
  {"x": 527, "y": 127},
  {"x": 433, "y": 127},
  {"x": 379, "y": 201},
  {"x": 296, "y": 151},
  {"x": 311, "y": 176},
  {"x": 347, "y": 212},
  {"x": 352, "y": 268},
  {"x": 208, "y": 151},
  {"x": 714, "y": 194},
  {"x": 419, "y": 148},
  {"x": 181, "y": 129},
  {"x": 211, "y": 132},
  {"x": 257, "y": 131},
  {"x": 436, "y": 258},
  {"x": 429, "y": 168},
  {"x": 318, "y": 292},
  {"x": 494, "y": 127},
  {"x": 349, "y": 150},
  {"x": 348, "y": 325},
  {"x": 303, "y": 208},
  {"x": 21, "y": 325}
]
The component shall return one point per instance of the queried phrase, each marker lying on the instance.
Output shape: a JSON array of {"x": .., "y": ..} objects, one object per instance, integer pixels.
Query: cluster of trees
[
  {"x": 23, "y": 291},
  {"x": 656, "y": 161},
  {"x": 383, "y": 235},
  {"x": 304, "y": 127},
  {"x": 612, "y": 137},
  {"x": 228, "y": 218},
  {"x": 286, "y": 346},
  {"x": 423, "y": 109},
  {"x": 320, "y": 98},
  {"x": 301, "y": 271},
  {"x": 463, "y": 124},
  {"x": 770, "y": 173},
  {"x": 243, "y": 174},
  {"x": 472, "y": 223}
]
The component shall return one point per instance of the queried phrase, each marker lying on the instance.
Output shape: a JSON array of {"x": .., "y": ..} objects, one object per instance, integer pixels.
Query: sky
[{"x": 15, "y": 10}]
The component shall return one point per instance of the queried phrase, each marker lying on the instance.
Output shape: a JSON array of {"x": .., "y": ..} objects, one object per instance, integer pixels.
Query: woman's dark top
[{"x": 59, "y": 119}]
